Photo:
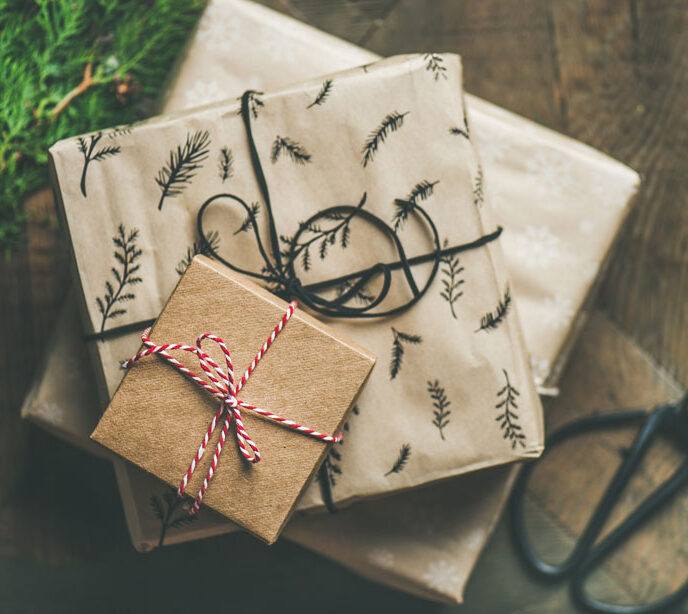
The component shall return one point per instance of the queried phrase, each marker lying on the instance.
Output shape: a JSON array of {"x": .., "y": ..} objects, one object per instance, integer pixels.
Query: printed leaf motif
[
  {"x": 182, "y": 165},
  {"x": 391, "y": 123},
  {"x": 295, "y": 151},
  {"x": 478, "y": 194},
  {"x": 250, "y": 218},
  {"x": 451, "y": 279},
  {"x": 225, "y": 164},
  {"x": 492, "y": 319},
  {"x": 400, "y": 339},
  {"x": 349, "y": 290},
  {"x": 458, "y": 131},
  {"x": 324, "y": 237},
  {"x": 88, "y": 149},
  {"x": 199, "y": 247},
  {"x": 405, "y": 206},
  {"x": 324, "y": 92},
  {"x": 334, "y": 457},
  {"x": 508, "y": 419},
  {"x": 440, "y": 403},
  {"x": 126, "y": 255},
  {"x": 435, "y": 64},
  {"x": 254, "y": 103},
  {"x": 165, "y": 509},
  {"x": 402, "y": 459}
]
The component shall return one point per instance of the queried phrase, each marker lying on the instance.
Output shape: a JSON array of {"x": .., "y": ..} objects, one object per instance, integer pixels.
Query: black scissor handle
[
  {"x": 554, "y": 571},
  {"x": 653, "y": 503}
]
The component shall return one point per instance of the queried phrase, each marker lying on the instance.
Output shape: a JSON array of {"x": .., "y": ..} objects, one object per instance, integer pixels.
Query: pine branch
[
  {"x": 405, "y": 206},
  {"x": 478, "y": 194},
  {"x": 391, "y": 123},
  {"x": 508, "y": 419},
  {"x": 204, "y": 248},
  {"x": 295, "y": 151},
  {"x": 440, "y": 403},
  {"x": 182, "y": 165},
  {"x": 225, "y": 164},
  {"x": 126, "y": 254},
  {"x": 400, "y": 463},
  {"x": 398, "y": 350},
  {"x": 492, "y": 319},
  {"x": 250, "y": 218},
  {"x": 90, "y": 155},
  {"x": 451, "y": 281},
  {"x": 324, "y": 92},
  {"x": 434, "y": 63}
]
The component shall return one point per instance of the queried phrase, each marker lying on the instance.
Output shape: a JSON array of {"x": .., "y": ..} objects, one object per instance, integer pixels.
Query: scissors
[{"x": 669, "y": 420}]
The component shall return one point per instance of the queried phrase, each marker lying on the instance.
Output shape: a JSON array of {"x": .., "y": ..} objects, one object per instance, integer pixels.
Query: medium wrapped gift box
[
  {"x": 516, "y": 153},
  {"x": 157, "y": 416},
  {"x": 342, "y": 184}
]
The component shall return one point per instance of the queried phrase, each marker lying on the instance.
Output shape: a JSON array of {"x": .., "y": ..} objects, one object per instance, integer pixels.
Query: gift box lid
[{"x": 310, "y": 374}]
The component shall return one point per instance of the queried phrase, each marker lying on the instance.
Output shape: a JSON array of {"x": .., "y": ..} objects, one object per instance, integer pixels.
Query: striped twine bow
[{"x": 222, "y": 385}]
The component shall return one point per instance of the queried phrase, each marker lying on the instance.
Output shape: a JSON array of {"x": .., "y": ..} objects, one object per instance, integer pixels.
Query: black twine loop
[{"x": 279, "y": 271}]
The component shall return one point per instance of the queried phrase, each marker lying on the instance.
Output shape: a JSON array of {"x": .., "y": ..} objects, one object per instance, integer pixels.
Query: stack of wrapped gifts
[{"x": 355, "y": 273}]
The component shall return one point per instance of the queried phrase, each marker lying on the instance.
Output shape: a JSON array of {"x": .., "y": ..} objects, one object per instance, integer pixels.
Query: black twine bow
[{"x": 279, "y": 271}]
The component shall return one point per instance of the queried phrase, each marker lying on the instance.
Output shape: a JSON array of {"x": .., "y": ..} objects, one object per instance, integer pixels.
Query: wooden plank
[{"x": 623, "y": 67}]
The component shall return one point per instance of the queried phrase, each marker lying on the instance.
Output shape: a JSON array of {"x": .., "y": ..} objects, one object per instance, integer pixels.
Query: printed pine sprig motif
[
  {"x": 296, "y": 152},
  {"x": 435, "y": 64},
  {"x": 324, "y": 237},
  {"x": 359, "y": 294},
  {"x": 492, "y": 319},
  {"x": 508, "y": 419},
  {"x": 451, "y": 279},
  {"x": 250, "y": 218},
  {"x": 391, "y": 123},
  {"x": 322, "y": 95},
  {"x": 402, "y": 459},
  {"x": 254, "y": 103},
  {"x": 182, "y": 165},
  {"x": 88, "y": 149},
  {"x": 440, "y": 403},
  {"x": 334, "y": 457},
  {"x": 405, "y": 206},
  {"x": 465, "y": 131},
  {"x": 199, "y": 247},
  {"x": 170, "y": 511},
  {"x": 400, "y": 339},
  {"x": 126, "y": 254},
  {"x": 478, "y": 193},
  {"x": 225, "y": 164}
]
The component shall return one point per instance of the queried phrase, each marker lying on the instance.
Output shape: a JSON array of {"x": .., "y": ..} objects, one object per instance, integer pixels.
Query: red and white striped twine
[{"x": 223, "y": 386}]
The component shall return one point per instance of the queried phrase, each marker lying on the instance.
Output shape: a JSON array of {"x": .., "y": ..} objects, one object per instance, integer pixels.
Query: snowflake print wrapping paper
[{"x": 390, "y": 138}]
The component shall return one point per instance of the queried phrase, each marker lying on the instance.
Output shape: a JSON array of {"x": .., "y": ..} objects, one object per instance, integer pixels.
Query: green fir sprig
[{"x": 71, "y": 67}]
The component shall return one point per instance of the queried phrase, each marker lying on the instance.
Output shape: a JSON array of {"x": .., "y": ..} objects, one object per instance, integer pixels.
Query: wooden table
[{"x": 610, "y": 73}]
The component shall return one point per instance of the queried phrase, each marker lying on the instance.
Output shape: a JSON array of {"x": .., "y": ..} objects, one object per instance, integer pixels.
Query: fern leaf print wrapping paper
[{"x": 378, "y": 138}]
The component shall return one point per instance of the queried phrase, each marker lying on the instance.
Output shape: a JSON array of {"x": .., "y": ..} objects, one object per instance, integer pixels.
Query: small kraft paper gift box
[
  {"x": 306, "y": 378},
  {"x": 358, "y": 194}
]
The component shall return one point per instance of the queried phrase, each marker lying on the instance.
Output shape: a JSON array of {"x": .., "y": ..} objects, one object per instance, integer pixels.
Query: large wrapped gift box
[
  {"x": 523, "y": 162},
  {"x": 391, "y": 224}
]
